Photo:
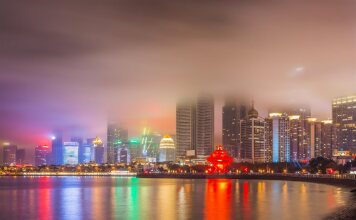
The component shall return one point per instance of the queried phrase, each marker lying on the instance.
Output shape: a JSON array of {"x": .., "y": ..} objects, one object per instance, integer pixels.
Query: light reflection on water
[{"x": 132, "y": 198}]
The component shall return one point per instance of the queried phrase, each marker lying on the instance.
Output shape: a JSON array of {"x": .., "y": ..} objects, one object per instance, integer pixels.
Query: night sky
[{"x": 75, "y": 65}]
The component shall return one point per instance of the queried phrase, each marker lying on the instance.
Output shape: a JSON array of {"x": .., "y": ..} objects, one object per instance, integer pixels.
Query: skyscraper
[
  {"x": 204, "y": 126},
  {"x": 253, "y": 138},
  {"x": 98, "y": 150},
  {"x": 116, "y": 135},
  {"x": 79, "y": 140},
  {"x": 57, "y": 149},
  {"x": 70, "y": 152},
  {"x": 166, "y": 149},
  {"x": 328, "y": 139},
  {"x": 232, "y": 115},
  {"x": 42, "y": 154},
  {"x": 185, "y": 127},
  {"x": 296, "y": 136},
  {"x": 279, "y": 133},
  {"x": 313, "y": 131},
  {"x": 9, "y": 155},
  {"x": 344, "y": 117},
  {"x": 20, "y": 156}
]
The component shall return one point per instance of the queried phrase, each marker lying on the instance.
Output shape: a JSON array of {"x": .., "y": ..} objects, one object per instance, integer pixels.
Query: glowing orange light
[{"x": 220, "y": 161}]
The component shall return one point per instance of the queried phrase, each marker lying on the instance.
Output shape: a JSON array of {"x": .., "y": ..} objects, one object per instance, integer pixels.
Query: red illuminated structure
[{"x": 220, "y": 160}]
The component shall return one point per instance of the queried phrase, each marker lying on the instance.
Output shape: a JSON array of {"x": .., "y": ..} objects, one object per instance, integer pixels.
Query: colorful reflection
[
  {"x": 133, "y": 198},
  {"x": 44, "y": 199},
  {"x": 218, "y": 195}
]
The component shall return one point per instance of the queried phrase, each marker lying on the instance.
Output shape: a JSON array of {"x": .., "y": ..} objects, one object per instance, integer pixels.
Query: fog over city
[{"x": 73, "y": 66}]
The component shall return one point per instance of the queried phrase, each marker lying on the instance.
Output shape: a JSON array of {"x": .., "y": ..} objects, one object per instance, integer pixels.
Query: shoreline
[{"x": 336, "y": 181}]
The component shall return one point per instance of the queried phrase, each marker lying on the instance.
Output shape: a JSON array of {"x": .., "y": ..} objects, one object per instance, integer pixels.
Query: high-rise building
[
  {"x": 328, "y": 139},
  {"x": 204, "y": 126},
  {"x": 70, "y": 152},
  {"x": 232, "y": 115},
  {"x": 116, "y": 135},
  {"x": 85, "y": 151},
  {"x": 42, "y": 154},
  {"x": 20, "y": 156},
  {"x": 98, "y": 151},
  {"x": 9, "y": 155},
  {"x": 166, "y": 149},
  {"x": 135, "y": 148},
  {"x": 279, "y": 137},
  {"x": 185, "y": 127},
  {"x": 344, "y": 118},
  {"x": 296, "y": 136},
  {"x": 57, "y": 149},
  {"x": 79, "y": 140},
  {"x": 253, "y": 138},
  {"x": 149, "y": 144},
  {"x": 124, "y": 153},
  {"x": 313, "y": 137}
]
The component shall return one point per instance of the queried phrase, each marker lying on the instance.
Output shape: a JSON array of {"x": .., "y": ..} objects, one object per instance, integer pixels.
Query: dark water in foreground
[{"x": 132, "y": 198}]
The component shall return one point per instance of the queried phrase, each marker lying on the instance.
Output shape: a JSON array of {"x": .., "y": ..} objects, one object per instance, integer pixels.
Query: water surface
[{"x": 133, "y": 198}]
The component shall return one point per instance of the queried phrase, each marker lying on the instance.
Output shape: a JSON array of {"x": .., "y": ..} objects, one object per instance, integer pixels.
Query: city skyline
[{"x": 58, "y": 74}]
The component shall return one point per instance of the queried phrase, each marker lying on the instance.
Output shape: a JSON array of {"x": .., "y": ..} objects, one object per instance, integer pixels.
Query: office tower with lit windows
[
  {"x": 116, "y": 135},
  {"x": 20, "y": 156},
  {"x": 42, "y": 154},
  {"x": 167, "y": 149},
  {"x": 124, "y": 153},
  {"x": 57, "y": 149},
  {"x": 204, "y": 126},
  {"x": 86, "y": 151},
  {"x": 296, "y": 135},
  {"x": 149, "y": 144},
  {"x": 9, "y": 154},
  {"x": 70, "y": 153},
  {"x": 344, "y": 118},
  {"x": 313, "y": 139},
  {"x": 328, "y": 139},
  {"x": 79, "y": 140},
  {"x": 98, "y": 151},
  {"x": 253, "y": 138},
  {"x": 232, "y": 114},
  {"x": 278, "y": 124},
  {"x": 185, "y": 127}
]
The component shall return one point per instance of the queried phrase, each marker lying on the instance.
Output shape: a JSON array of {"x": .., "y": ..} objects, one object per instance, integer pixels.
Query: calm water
[{"x": 132, "y": 198}]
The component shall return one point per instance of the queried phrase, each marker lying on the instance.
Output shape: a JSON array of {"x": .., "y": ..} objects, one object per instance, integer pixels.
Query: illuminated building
[
  {"x": 344, "y": 118},
  {"x": 204, "y": 126},
  {"x": 86, "y": 151},
  {"x": 42, "y": 154},
  {"x": 70, "y": 152},
  {"x": 167, "y": 149},
  {"x": 253, "y": 138},
  {"x": 278, "y": 124},
  {"x": 79, "y": 140},
  {"x": 9, "y": 154},
  {"x": 116, "y": 135},
  {"x": 135, "y": 150},
  {"x": 98, "y": 151},
  {"x": 328, "y": 139},
  {"x": 149, "y": 144},
  {"x": 232, "y": 114},
  {"x": 296, "y": 136},
  {"x": 220, "y": 160},
  {"x": 57, "y": 149},
  {"x": 124, "y": 153},
  {"x": 185, "y": 128},
  {"x": 313, "y": 131},
  {"x": 20, "y": 156}
]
